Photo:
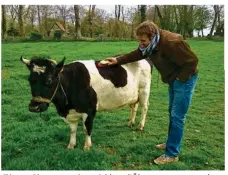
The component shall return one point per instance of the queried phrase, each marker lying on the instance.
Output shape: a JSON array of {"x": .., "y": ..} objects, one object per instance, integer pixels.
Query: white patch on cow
[
  {"x": 134, "y": 108},
  {"x": 136, "y": 91},
  {"x": 72, "y": 119},
  {"x": 39, "y": 69},
  {"x": 73, "y": 116},
  {"x": 88, "y": 142},
  {"x": 73, "y": 132},
  {"x": 109, "y": 97},
  {"x": 84, "y": 117}
]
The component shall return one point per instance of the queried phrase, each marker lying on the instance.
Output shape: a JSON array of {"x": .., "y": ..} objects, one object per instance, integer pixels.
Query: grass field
[{"x": 30, "y": 143}]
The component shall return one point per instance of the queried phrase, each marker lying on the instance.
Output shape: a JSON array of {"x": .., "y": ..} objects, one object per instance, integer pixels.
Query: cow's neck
[
  {"x": 75, "y": 80},
  {"x": 61, "y": 100}
]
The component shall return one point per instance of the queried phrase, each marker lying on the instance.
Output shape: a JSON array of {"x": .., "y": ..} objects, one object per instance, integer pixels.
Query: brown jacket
[{"x": 172, "y": 57}]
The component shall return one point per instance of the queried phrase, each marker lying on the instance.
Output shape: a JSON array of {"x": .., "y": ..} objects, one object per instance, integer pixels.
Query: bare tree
[
  {"x": 20, "y": 20},
  {"x": 71, "y": 14},
  {"x": 32, "y": 15},
  {"x": 217, "y": 10},
  {"x": 158, "y": 11},
  {"x": 90, "y": 19},
  {"x": 216, "y": 13},
  {"x": 13, "y": 14},
  {"x": 143, "y": 12},
  {"x": 118, "y": 16},
  {"x": 77, "y": 22},
  {"x": 117, "y": 12},
  {"x": 132, "y": 18},
  {"x": 122, "y": 12},
  {"x": 63, "y": 13},
  {"x": 3, "y": 21},
  {"x": 39, "y": 18},
  {"x": 45, "y": 16}
]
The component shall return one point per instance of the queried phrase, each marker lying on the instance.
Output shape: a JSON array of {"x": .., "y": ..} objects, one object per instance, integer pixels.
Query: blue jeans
[{"x": 180, "y": 95}]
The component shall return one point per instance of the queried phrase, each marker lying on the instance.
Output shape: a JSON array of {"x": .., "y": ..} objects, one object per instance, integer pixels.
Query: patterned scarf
[{"x": 149, "y": 49}]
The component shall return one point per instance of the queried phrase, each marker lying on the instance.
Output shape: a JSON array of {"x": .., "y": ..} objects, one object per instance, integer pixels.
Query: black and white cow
[{"x": 80, "y": 89}]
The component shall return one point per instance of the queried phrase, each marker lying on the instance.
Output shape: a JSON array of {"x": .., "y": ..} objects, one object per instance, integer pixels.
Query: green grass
[{"x": 30, "y": 143}]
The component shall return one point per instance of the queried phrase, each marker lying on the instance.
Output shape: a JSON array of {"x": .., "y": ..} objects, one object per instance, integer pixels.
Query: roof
[{"x": 59, "y": 25}]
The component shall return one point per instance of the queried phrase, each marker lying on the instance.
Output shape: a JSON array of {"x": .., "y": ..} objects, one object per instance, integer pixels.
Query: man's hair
[{"x": 147, "y": 28}]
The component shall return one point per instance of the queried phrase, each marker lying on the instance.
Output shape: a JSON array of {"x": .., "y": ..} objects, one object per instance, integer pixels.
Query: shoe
[
  {"x": 161, "y": 146},
  {"x": 163, "y": 159}
]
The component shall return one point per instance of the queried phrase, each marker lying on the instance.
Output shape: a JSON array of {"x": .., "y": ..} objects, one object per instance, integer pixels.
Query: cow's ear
[
  {"x": 25, "y": 61},
  {"x": 59, "y": 66}
]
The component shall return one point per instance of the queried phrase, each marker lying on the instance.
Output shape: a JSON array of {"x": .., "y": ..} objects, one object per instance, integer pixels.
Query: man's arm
[{"x": 133, "y": 56}]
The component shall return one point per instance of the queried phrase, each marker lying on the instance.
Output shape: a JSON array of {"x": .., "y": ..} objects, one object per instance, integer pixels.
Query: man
[{"x": 177, "y": 64}]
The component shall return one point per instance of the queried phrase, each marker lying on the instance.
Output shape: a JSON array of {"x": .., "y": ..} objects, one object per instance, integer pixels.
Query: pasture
[{"x": 31, "y": 143}]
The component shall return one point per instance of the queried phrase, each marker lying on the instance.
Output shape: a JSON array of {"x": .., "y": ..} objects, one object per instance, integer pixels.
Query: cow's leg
[
  {"x": 144, "y": 94},
  {"x": 73, "y": 131},
  {"x": 84, "y": 117},
  {"x": 134, "y": 108},
  {"x": 89, "y": 125}
]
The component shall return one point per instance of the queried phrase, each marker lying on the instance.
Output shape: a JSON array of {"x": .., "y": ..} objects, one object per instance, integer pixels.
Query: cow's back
[{"x": 118, "y": 86}]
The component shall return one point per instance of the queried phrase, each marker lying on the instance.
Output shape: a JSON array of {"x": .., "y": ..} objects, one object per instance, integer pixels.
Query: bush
[
  {"x": 13, "y": 32},
  {"x": 57, "y": 35},
  {"x": 34, "y": 36}
]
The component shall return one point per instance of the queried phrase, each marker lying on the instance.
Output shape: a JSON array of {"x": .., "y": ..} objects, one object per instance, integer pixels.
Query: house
[{"x": 54, "y": 27}]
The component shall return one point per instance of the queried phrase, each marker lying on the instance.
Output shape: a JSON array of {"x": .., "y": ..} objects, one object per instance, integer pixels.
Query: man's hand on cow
[
  {"x": 107, "y": 62},
  {"x": 111, "y": 61}
]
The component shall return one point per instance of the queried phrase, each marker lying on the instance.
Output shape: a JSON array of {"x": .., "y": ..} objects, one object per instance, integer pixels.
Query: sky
[{"x": 108, "y": 8}]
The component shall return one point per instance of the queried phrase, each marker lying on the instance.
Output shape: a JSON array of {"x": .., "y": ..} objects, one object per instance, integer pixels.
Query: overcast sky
[{"x": 108, "y": 8}]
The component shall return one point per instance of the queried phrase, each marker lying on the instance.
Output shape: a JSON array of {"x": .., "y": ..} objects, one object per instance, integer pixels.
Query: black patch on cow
[
  {"x": 81, "y": 96},
  {"x": 116, "y": 74}
]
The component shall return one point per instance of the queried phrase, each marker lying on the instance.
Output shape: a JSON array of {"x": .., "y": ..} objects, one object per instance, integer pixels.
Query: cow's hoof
[
  {"x": 130, "y": 124},
  {"x": 140, "y": 128},
  {"x": 70, "y": 146},
  {"x": 86, "y": 148}
]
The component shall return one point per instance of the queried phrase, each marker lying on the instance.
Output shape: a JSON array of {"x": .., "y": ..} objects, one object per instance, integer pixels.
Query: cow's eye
[{"x": 49, "y": 81}]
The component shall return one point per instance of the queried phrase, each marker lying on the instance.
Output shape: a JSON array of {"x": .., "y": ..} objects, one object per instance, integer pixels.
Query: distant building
[{"x": 54, "y": 27}]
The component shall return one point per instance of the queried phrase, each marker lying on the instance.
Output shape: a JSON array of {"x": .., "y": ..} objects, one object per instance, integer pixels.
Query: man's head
[{"x": 145, "y": 32}]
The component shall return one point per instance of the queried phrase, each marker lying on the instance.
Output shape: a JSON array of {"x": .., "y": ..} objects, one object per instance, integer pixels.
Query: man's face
[{"x": 143, "y": 40}]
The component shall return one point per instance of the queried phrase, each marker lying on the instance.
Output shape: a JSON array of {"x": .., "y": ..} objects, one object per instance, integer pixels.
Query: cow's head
[{"x": 43, "y": 80}]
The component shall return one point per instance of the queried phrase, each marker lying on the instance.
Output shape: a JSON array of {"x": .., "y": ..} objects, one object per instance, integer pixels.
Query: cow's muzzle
[{"x": 35, "y": 106}]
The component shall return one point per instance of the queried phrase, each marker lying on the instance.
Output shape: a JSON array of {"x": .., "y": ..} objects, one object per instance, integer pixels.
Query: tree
[
  {"x": 32, "y": 15},
  {"x": 63, "y": 13},
  {"x": 143, "y": 12},
  {"x": 217, "y": 9},
  {"x": 133, "y": 18},
  {"x": 20, "y": 20},
  {"x": 202, "y": 18},
  {"x": 77, "y": 22},
  {"x": 219, "y": 29},
  {"x": 158, "y": 11},
  {"x": 122, "y": 12},
  {"x": 45, "y": 17},
  {"x": 39, "y": 18},
  {"x": 117, "y": 12},
  {"x": 13, "y": 14},
  {"x": 3, "y": 21},
  {"x": 90, "y": 19}
]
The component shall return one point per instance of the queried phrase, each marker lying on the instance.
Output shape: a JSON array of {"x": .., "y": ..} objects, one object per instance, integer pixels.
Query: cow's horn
[
  {"x": 25, "y": 61},
  {"x": 53, "y": 62}
]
